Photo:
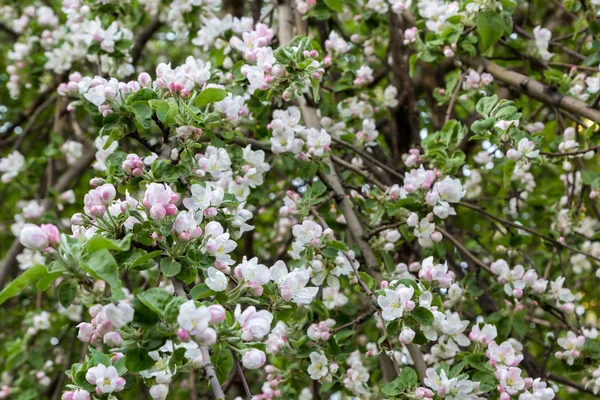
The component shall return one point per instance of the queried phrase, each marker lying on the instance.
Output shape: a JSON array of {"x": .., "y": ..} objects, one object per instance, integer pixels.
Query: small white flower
[
  {"x": 318, "y": 367},
  {"x": 216, "y": 280}
]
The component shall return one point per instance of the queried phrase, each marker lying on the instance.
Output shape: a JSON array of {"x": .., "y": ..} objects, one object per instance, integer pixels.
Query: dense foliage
[{"x": 299, "y": 199}]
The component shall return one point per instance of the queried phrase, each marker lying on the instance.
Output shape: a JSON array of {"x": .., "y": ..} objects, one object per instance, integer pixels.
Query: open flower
[
  {"x": 106, "y": 379},
  {"x": 395, "y": 302},
  {"x": 318, "y": 366},
  {"x": 216, "y": 280}
]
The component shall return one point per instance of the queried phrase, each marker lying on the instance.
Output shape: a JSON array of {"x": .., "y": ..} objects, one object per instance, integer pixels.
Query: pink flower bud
[
  {"x": 407, "y": 335},
  {"x": 86, "y": 330},
  {"x": 211, "y": 212},
  {"x": 255, "y": 289},
  {"x": 113, "y": 339},
  {"x": 33, "y": 237},
  {"x": 158, "y": 211},
  {"x": 436, "y": 237},
  {"x": 67, "y": 396},
  {"x": 183, "y": 335},
  {"x": 99, "y": 287},
  {"x": 208, "y": 337},
  {"x": 217, "y": 313},
  {"x": 95, "y": 182},
  {"x": 277, "y": 71},
  {"x": 170, "y": 209},
  {"x": 144, "y": 79},
  {"x": 77, "y": 219}
]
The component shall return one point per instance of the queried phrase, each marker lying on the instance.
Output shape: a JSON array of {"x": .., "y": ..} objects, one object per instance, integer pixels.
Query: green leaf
[
  {"x": 588, "y": 176},
  {"x": 46, "y": 281},
  {"x": 169, "y": 267},
  {"x": 332, "y": 347},
  {"x": 29, "y": 277},
  {"x": 210, "y": 95},
  {"x": 102, "y": 265},
  {"x": 315, "y": 89},
  {"x": 394, "y": 388},
  {"x": 146, "y": 94},
  {"x": 482, "y": 126},
  {"x": 408, "y": 377},
  {"x": 164, "y": 171},
  {"x": 142, "y": 112},
  {"x": 335, "y": 5},
  {"x": 223, "y": 362},
  {"x": 330, "y": 252},
  {"x": 145, "y": 258},
  {"x": 368, "y": 279},
  {"x": 172, "y": 309},
  {"x": 423, "y": 316},
  {"x": 507, "y": 171},
  {"x": 120, "y": 366},
  {"x": 478, "y": 361},
  {"x": 156, "y": 299},
  {"x": 486, "y": 105},
  {"x": 490, "y": 26},
  {"x": 98, "y": 242},
  {"x": 487, "y": 381},
  {"x": 388, "y": 261},
  {"x": 343, "y": 335},
  {"x": 201, "y": 291},
  {"x": 138, "y": 360},
  {"x": 98, "y": 357},
  {"x": 67, "y": 291}
]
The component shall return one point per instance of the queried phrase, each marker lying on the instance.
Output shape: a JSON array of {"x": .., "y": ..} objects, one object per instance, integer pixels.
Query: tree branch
[
  {"x": 526, "y": 229},
  {"x": 143, "y": 38},
  {"x": 535, "y": 89},
  {"x": 211, "y": 374}
]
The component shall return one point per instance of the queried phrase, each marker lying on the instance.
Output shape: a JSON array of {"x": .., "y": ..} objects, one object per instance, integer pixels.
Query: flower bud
[
  {"x": 99, "y": 287},
  {"x": 254, "y": 359},
  {"x": 86, "y": 330},
  {"x": 217, "y": 313},
  {"x": 158, "y": 211},
  {"x": 113, "y": 339},
  {"x": 33, "y": 237},
  {"x": 77, "y": 219},
  {"x": 183, "y": 335},
  {"x": 407, "y": 335},
  {"x": 159, "y": 392},
  {"x": 67, "y": 396},
  {"x": 513, "y": 154},
  {"x": 144, "y": 79}
]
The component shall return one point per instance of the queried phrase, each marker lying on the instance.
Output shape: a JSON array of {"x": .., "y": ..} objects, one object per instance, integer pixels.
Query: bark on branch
[
  {"x": 535, "y": 89},
  {"x": 211, "y": 374}
]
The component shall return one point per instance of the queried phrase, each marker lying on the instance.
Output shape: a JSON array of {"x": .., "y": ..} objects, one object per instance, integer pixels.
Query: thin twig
[
  {"x": 526, "y": 229},
  {"x": 464, "y": 250},
  {"x": 365, "y": 155},
  {"x": 453, "y": 98},
  {"x": 240, "y": 372}
]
